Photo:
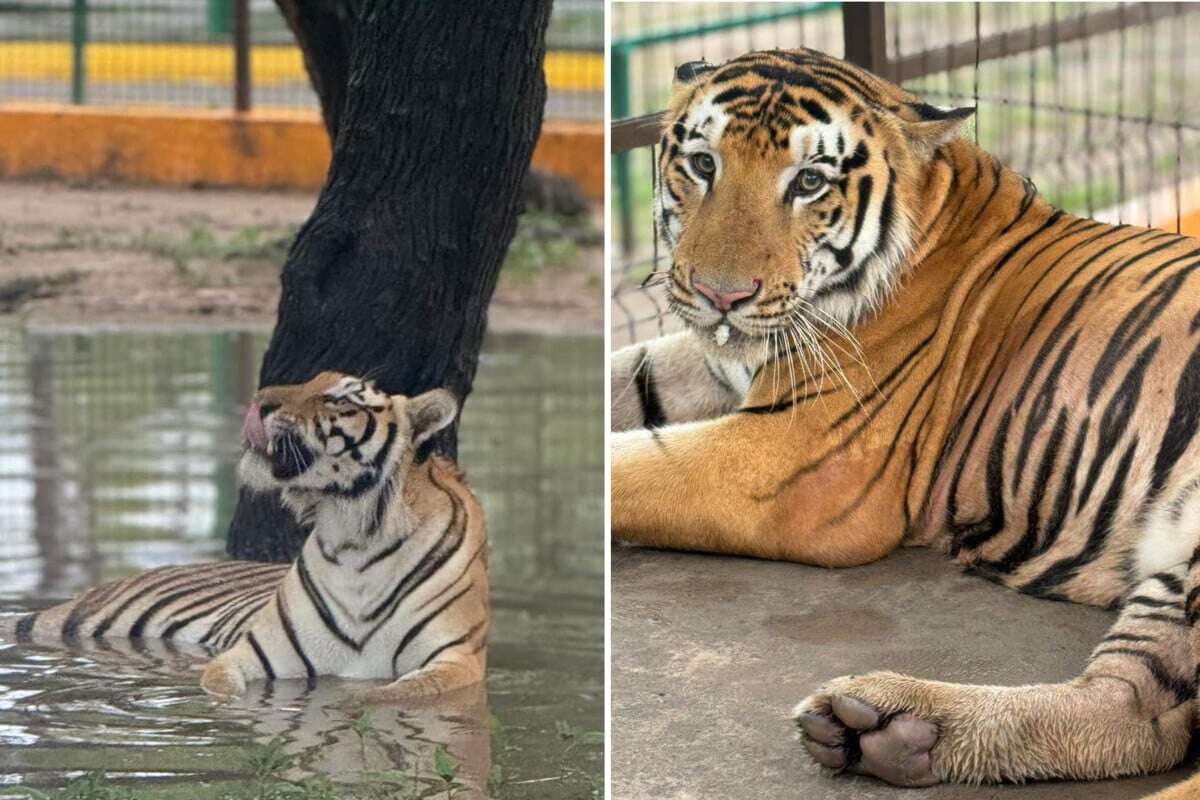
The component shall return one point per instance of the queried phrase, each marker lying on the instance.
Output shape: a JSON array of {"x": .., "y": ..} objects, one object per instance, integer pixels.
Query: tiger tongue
[{"x": 253, "y": 431}]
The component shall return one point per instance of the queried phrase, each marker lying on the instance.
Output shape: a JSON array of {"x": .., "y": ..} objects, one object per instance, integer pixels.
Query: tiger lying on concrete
[
  {"x": 391, "y": 583},
  {"x": 893, "y": 339}
]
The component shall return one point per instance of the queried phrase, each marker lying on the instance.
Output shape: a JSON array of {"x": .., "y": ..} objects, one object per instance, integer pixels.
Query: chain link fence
[
  {"x": 1093, "y": 101},
  {"x": 183, "y": 53},
  {"x": 120, "y": 447}
]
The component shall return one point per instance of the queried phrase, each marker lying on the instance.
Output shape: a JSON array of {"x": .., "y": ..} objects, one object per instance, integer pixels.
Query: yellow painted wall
[{"x": 120, "y": 62}]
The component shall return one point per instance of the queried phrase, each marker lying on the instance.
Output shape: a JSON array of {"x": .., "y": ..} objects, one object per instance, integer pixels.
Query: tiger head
[
  {"x": 336, "y": 435},
  {"x": 788, "y": 194}
]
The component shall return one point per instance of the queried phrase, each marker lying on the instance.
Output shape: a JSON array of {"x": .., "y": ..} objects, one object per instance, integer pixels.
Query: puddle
[{"x": 117, "y": 454}]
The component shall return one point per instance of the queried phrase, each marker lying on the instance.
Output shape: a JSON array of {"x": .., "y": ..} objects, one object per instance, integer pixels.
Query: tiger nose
[{"x": 725, "y": 300}]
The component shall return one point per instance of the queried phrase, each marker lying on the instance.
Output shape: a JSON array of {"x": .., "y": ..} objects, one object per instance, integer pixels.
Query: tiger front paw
[
  {"x": 862, "y": 725},
  {"x": 223, "y": 680}
]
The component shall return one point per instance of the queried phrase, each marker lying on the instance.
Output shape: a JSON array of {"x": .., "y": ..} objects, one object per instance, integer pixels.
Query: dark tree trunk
[
  {"x": 392, "y": 274},
  {"x": 324, "y": 30}
]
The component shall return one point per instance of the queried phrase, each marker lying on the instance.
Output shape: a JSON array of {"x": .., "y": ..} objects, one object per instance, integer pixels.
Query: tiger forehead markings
[
  {"x": 781, "y": 192},
  {"x": 892, "y": 338},
  {"x": 391, "y": 581}
]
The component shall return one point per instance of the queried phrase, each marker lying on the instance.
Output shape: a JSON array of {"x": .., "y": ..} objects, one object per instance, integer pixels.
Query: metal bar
[
  {"x": 241, "y": 55},
  {"x": 634, "y": 132},
  {"x": 79, "y": 37},
  {"x": 864, "y": 33},
  {"x": 1033, "y": 37},
  {"x": 619, "y": 59},
  {"x": 642, "y": 131},
  {"x": 675, "y": 34},
  {"x": 219, "y": 13}
]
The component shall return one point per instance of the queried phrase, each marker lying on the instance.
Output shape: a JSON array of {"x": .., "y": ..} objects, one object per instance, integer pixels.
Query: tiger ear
[
  {"x": 428, "y": 413},
  {"x": 928, "y": 127},
  {"x": 691, "y": 71}
]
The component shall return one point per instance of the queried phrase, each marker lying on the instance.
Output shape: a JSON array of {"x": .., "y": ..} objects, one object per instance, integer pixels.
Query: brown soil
[{"x": 130, "y": 255}]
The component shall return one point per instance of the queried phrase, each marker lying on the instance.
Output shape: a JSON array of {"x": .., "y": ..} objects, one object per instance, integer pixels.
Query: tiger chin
[
  {"x": 892, "y": 338},
  {"x": 392, "y": 579}
]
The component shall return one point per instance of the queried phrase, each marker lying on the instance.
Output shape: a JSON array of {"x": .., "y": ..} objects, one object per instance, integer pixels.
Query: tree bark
[
  {"x": 324, "y": 30},
  {"x": 392, "y": 274}
]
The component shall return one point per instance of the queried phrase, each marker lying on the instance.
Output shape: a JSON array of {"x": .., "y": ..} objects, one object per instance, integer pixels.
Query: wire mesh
[
  {"x": 180, "y": 53},
  {"x": 119, "y": 452},
  {"x": 1091, "y": 100}
]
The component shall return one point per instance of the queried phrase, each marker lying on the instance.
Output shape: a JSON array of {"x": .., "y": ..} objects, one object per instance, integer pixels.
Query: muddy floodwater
[{"x": 117, "y": 453}]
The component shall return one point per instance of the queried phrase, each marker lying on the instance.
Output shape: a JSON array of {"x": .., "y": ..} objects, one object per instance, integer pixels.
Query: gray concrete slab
[{"x": 710, "y": 653}]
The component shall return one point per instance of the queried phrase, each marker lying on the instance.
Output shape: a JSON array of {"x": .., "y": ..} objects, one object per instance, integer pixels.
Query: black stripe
[
  {"x": 1158, "y": 617},
  {"x": 415, "y": 630},
  {"x": 451, "y": 584},
  {"x": 25, "y": 625},
  {"x": 1023, "y": 549},
  {"x": 437, "y": 555},
  {"x": 452, "y": 643},
  {"x": 1067, "y": 568},
  {"x": 212, "y": 603},
  {"x": 386, "y": 552},
  {"x": 262, "y": 657},
  {"x": 290, "y": 630},
  {"x": 652, "y": 410},
  {"x": 1116, "y": 418},
  {"x": 137, "y": 629},
  {"x": 1182, "y": 427},
  {"x": 172, "y": 574},
  {"x": 1127, "y": 637},
  {"x": 815, "y": 110},
  {"x": 1143, "y": 600},
  {"x": 216, "y": 628},
  {"x": 247, "y": 617},
  {"x": 1180, "y": 688},
  {"x": 1173, "y": 584},
  {"x": 318, "y": 600}
]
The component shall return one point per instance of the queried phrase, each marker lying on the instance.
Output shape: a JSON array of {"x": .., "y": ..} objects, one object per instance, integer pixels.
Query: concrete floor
[{"x": 710, "y": 653}]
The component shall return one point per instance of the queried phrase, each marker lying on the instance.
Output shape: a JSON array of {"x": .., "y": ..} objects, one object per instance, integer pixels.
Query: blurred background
[
  {"x": 1094, "y": 101},
  {"x": 183, "y": 53}
]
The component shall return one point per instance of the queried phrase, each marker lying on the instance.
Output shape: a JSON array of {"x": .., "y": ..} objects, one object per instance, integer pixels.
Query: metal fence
[
  {"x": 223, "y": 53},
  {"x": 1095, "y": 102},
  {"x": 119, "y": 448}
]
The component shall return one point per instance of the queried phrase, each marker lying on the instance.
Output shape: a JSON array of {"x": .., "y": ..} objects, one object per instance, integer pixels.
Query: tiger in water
[
  {"x": 891, "y": 338},
  {"x": 392, "y": 579}
]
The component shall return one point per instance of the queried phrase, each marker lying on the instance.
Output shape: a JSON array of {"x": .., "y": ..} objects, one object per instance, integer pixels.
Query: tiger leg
[
  {"x": 723, "y": 486},
  {"x": 1186, "y": 790},
  {"x": 1130, "y": 713},
  {"x": 227, "y": 674},
  {"x": 454, "y": 669},
  {"x": 265, "y": 650},
  {"x": 673, "y": 379}
]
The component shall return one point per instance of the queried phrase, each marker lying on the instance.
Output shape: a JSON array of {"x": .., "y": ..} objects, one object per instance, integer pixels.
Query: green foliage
[{"x": 546, "y": 241}]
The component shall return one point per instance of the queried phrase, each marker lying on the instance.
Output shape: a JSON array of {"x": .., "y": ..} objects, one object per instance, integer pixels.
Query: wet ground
[
  {"x": 710, "y": 653},
  {"x": 94, "y": 254},
  {"x": 116, "y": 455}
]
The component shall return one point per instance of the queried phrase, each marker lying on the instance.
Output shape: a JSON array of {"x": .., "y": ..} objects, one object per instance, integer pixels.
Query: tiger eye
[
  {"x": 809, "y": 181},
  {"x": 704, "y": 164}
]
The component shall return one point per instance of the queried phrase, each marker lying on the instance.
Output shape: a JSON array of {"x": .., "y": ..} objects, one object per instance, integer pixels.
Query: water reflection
[{"x": 117, "y": 455}]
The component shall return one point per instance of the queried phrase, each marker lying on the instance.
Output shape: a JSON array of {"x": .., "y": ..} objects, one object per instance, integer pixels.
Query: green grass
[
  {"x": 546, "y": 241},
  {"x": 201, "y": 242}
]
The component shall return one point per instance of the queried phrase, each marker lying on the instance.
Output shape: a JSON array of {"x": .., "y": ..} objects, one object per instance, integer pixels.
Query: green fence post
[
  {"x": 220, "y": 17},
  {"x": 620, "y": 110},
  {"x": 79, "y": 36}
]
